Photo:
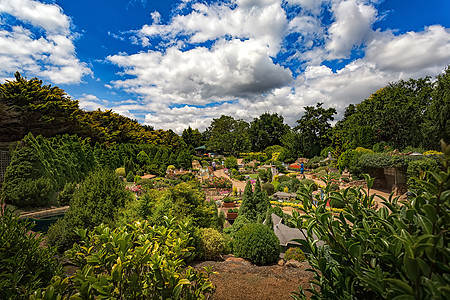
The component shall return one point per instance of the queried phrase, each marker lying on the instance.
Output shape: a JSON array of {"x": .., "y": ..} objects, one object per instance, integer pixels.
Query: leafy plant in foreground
[
  {"x": 400, "y": 251},
  {"x": 133, "y": 262}
]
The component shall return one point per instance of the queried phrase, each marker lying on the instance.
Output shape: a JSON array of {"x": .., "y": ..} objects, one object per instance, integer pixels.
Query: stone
[
  {"x": 238, "y": 260},
  {"x": 281, "y": 262},
  {"x": 294, "y": 264}
]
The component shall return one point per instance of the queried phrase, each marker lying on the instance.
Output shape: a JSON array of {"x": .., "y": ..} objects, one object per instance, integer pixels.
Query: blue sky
[{"x": 172, "y": 64}]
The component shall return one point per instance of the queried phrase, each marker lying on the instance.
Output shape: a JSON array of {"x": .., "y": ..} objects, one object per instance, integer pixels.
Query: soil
[{"x": 239, "y": 279}]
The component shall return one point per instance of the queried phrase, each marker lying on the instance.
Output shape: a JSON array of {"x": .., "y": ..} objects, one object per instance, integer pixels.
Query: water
[{"x": 42, "y": 224}]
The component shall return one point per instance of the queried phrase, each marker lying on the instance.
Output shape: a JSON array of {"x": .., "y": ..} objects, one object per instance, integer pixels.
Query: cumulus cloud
[
  {"x": 51, "y": 54},
  {"x": 352, "y": 27},
  {"x": 420, "y": 53},
  {"x": 219, "y": 58}
]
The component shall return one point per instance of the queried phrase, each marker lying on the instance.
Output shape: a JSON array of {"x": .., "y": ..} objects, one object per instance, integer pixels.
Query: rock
[
  {"x": 281, "y": 262},
  {"x": 237, "y": 259},
  {"x": 294, "y": 264}
]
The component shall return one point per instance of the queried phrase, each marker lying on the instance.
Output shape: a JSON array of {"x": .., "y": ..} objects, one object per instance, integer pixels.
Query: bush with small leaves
[
  {"x": 294, "y": 253},
  {"x": 66, "y": 195},
  {"x": 121, "y": 172},
  {"x": 257, "y": 243},
  {"x": 213, "y": 243}
]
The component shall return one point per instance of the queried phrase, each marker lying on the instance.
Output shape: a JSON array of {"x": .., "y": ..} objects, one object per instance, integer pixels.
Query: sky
[{"x": 173, "y": 64}]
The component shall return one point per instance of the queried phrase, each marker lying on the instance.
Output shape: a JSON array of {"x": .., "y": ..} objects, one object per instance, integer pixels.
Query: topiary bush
[
  {"x": 257, "y": 243},
  {"x": 295, "y": 254},
  {"x": 130, "y": 177},
  {"x": 121, "y": 172},
  {"x": 212, "y": 244},
  {"x": 269, "y": 188}
]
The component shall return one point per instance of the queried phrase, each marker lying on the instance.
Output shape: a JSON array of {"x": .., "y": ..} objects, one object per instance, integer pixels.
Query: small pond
[{"x": 42, "y": 224}]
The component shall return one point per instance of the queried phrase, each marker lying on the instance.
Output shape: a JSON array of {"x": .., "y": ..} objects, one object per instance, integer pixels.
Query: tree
[
  {"x": 437, "y": 116},
  {"x": 98, "y": 200},
  {"x": 228, "y": 135},
  {"x": 184, "y": 159},
  {"x": 266, "y": 131},
  {"x": 248, "y": 207},
  {"x": 37, "y": 108},
  {"x": 314, "y": 129},
  {"x": 393, "y": 114},
  {"x": 192, "y": 137}
]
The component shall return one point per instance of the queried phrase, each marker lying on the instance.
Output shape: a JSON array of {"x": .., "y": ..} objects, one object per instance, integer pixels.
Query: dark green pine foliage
[
  {"x": 184, "y": 159},
  {"x": 27, "y": 182},
  {"x": 248, "y": 207},
  {"x": 261, "y": 201},
  {"x": 40, "y": 167}
]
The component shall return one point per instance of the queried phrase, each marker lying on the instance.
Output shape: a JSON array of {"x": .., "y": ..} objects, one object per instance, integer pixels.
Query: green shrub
[
  {"x": 257, "y": 243},
  {"x": 213, "y": 243},
  {"x": 418, "y": 168},
  {"x": 130, "y": 177},
  {"x": 294, "y": 253},
  {"x": 229, "y": 199},
  {"x": 121, "y": 172},
  {"x": 240, "y": 221},
  {"x": 231, "y": 162},
  {"x": 269, "y": 188},
  {"x": 24, "y": 265},
  {"x": 98, "y": 199},
  {"x": 138, "y": 261},
  {"x": 66, "y": 195}
]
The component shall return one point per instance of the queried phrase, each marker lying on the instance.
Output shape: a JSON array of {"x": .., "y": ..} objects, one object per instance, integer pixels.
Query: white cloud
[
  {"x": 230, "y": 69},
  {"x": 237, "y": 76},
  {"x": 420, "y": 53},
  {"x": 50, "y": 55},
  {"x": 352, "y": 27},
  {"x": 156, "y": 17}
]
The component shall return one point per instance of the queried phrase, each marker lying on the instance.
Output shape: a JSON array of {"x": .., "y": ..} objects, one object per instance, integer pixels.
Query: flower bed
[{"x": 217, "y": 182}]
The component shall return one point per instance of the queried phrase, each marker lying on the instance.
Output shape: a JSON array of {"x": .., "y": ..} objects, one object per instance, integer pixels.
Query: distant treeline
[{"x": 30, "y": 106}]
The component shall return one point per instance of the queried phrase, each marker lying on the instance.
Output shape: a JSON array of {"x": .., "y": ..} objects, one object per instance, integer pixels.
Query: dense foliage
[
  {"x": 40, "y": 167},
  {"x": 24, "y": 265},
  {"x": 138, "y": 261},
  {"x": 267, "y": 130},
  {"x": 254, "y": 204},
  {"x": 226, "y": 134},
  {"x": 29, "y": 106},
  {"x": 184, "y": 202},
  {"x": 257, "y": 243},
  {"x": 212, "y": 243},
  {"x": 98, "y": 200},
  {"x": 399, "y": 251}
]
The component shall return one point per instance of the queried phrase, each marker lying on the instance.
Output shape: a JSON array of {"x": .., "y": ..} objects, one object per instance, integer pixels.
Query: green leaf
[
  {"x": 425, "y": 223},
  {"x": 411, "y": 268},
  {"x": 430, "y": 210},
  {"x": 400, "y": 285}
]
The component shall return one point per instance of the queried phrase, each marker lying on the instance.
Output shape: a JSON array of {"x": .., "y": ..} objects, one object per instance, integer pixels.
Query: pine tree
[{"x": 247, "y": 207}]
